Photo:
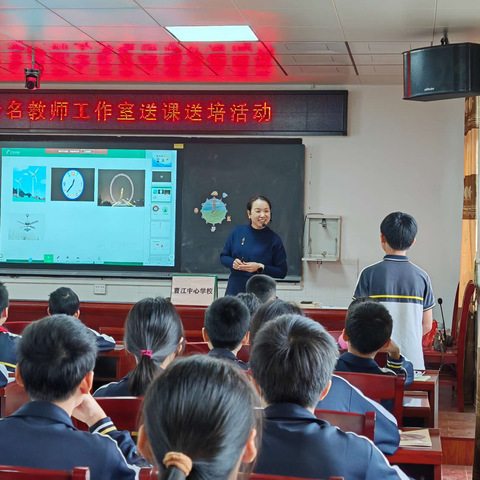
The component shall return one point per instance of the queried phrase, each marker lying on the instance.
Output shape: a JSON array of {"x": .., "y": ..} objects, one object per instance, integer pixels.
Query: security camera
[{"x": 32, "y": 78}]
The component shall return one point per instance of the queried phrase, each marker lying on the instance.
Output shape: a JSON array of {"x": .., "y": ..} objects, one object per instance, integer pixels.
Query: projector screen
[{"x": 139, "y": 206}]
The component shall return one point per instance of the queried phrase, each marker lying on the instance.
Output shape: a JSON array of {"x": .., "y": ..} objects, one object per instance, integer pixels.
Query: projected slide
[{"x": 53, "y": 206}]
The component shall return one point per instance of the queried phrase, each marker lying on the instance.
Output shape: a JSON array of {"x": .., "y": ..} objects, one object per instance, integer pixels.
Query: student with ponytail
[
  {"x": 154, "y": 334},
  {"x": 200, "y": 420}
]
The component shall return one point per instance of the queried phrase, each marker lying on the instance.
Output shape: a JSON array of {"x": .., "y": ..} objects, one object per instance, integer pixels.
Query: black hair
[
  {"x": 205, "y": 409},
  {"x": 153, "y": 327},
  {"x": 292, "y": 360},
  {"x": 269, "y": 311},
  {"x": 263, "y": 286},
  {"x": 250, "y": 300},
  {"x": 255, "y": 198},
  {"x": 227, "y": 320},
  {"x": 63, "y": 300},
  {"x": 54, "y": 356},
  {"x": 368, "y": 325},
  {"x": 3, "y": 297},
  {"x": 399, "y": 230}
]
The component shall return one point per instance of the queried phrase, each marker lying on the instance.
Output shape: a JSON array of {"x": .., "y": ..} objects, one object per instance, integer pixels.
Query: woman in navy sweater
[{"x": 253, "y": 248}]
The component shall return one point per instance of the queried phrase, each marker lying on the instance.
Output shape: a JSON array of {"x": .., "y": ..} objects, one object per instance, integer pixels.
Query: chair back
[
  {"x": 454, "y": 329},
  {"x": 14, "y": 396},
  {"x": 263, "y": 476},
  {"x": 379, "y": 387},
  {"x": 24, "y": 473},
  {"x": 359, "y": 423},
  {"x": 125, "y": 413},
  {"x": 16, "y": 327},
  {"x": 193, "y": 348}
]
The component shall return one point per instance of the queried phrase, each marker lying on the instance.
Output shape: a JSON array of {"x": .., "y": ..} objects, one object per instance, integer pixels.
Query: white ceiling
[{"x": 323, "y": 42}]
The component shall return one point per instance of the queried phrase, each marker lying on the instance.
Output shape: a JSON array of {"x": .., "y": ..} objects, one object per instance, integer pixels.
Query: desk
[
  {"x": 125, "y": 362},
  {"x": 12, "y": 397},
  {"x": 420, "y": 462},
  {"x": 416, "y": 404},
  {"x": 431, "y": 386}
]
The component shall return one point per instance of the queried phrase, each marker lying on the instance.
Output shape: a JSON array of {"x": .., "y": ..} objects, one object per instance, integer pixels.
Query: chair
[
  {"x": 263, "y": 476},
  {"x": 350, "y": 422},
  {"x": 14, "y": 396},
  {"x": 379, "y": 387},
  {"x": 455, "y": 355},
  {"x": 24, "y": 473},
  {"x": 16, "y": 327},
  {"x": 116, "y": 332},
  {"x": 125, "y": 413},
  {"x": 192, "y": 348}
]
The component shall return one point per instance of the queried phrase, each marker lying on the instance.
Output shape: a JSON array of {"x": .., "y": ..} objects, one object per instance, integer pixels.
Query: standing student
[
  {"x": 154, "y": 334},
  {"x": 200, "y": 420},
  {"x": 56, "y": 356},
  {"x": 253, "y": 248},
  {"x": 292, "y": 362},
  {"x": 8, "y": 340},
  {"x": 65, "y": 300},
  {"x": 401, "y": 286}
]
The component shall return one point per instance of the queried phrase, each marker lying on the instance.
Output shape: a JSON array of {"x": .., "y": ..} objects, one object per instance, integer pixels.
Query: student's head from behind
[
  {"x": 3, "y": 303},
  {"x": 204, "y": 409},
  {"x": 368, "y": 326},
  {"x": 292, "y": 360},
  {"x": 251, "y": 301},
  {"x": 399, "y": 230},
  {"x": 154, "y": 334},
  {"x": 227, "y": 321},
  {"x": 263, "y": 286},
  {"x": 63, "y": 300},
  {"x": 269, "y": 311},
  {"x": 54, "y": 356}
]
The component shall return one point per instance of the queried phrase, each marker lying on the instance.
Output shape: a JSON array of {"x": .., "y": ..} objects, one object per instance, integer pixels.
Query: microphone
[
  {"x": 446, "y": 339},
  {"x": 264, "y": 224}
]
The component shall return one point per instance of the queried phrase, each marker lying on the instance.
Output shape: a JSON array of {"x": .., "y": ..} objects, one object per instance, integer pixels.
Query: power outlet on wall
[{"x": 99, "y": 289}]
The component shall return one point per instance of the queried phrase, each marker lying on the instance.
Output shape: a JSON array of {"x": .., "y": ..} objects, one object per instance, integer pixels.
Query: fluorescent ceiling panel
[{"x": 234, "y": 33}]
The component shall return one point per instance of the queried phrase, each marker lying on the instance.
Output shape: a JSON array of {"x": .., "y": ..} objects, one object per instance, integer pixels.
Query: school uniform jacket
[
  {"x": 8, "y": 344},
  {"x": 295, "y": 443},
  {"x": 3, "y": 375},
  {"x": 344, "y": 397},
  {"x": 104, "y": 342},
  {"x": 114, "y": 389},
  {"x": 41, "y": 435},
  {"x": 348, "y": 362},
  {"x": 225, "y": 354}
]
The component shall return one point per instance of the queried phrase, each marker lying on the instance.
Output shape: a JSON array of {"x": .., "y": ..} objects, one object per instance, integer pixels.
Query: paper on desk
[
  {"x": 415, "y": 438},
  {"x": 422, "y": 378}
]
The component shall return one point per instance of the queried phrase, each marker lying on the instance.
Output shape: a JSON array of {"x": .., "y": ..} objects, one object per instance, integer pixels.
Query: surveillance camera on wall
[{"x": 32, "y": 78}]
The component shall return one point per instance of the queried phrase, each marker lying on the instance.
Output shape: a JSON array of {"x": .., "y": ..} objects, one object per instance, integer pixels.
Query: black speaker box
[{"x": 445, "y": 71}]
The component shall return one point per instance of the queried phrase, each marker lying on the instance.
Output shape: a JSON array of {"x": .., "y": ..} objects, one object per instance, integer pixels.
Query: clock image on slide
[{"x": 73, "y": 184}]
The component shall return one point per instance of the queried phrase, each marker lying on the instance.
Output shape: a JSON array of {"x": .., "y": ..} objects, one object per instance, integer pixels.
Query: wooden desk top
[{"x": 420, "y": 455}]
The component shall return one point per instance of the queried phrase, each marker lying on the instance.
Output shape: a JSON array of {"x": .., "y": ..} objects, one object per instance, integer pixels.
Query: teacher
[{"x": 253, "y": 248}]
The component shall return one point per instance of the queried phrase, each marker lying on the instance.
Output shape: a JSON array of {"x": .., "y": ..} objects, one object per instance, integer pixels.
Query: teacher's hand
[{"x": 250, "y": 267}]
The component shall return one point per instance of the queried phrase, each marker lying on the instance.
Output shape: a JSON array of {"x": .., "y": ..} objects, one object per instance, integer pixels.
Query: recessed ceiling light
[{"x": 235, "y": 33}]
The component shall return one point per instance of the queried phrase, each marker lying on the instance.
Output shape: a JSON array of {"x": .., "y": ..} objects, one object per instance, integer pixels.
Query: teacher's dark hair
[
  {"x": 204, "y": 408},
  {"x": 153, "y": 331},
  {"x": 255, "y": 198}
]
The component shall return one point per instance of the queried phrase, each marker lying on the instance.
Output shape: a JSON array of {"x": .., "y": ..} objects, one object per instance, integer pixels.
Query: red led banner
[{"x": 275, "y": 113}]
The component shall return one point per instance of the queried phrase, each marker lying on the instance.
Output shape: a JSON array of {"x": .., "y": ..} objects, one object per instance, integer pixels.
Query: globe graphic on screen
[{"x": 214, "y": 210}]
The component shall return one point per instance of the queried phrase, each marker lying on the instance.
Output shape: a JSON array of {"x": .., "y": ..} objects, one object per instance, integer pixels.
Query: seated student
[
  {"x": 56, "y": 356},
  {"x": 8, "y": 340},
  {"x": 251, "y": 301},
  {"x": 203, "y": 426},
  {"x": 3, "y": 375},
  {"x": 342, "y": 396},
  {"x": 226, "y": 329},
  {"x": 65, "y": 300},
  {"x": 292, "y": 361},
  {"x": 368, "y": 326},
  {"x": 263, "y": 286},
  {"x": 154, "y": 334}
]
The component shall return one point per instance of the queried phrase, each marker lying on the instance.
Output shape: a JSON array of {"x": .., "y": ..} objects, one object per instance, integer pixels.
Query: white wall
[{"x": 398, "y": 155}]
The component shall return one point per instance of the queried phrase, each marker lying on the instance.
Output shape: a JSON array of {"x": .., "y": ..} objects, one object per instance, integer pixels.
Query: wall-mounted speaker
[{"x": 445, "y": 71}]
